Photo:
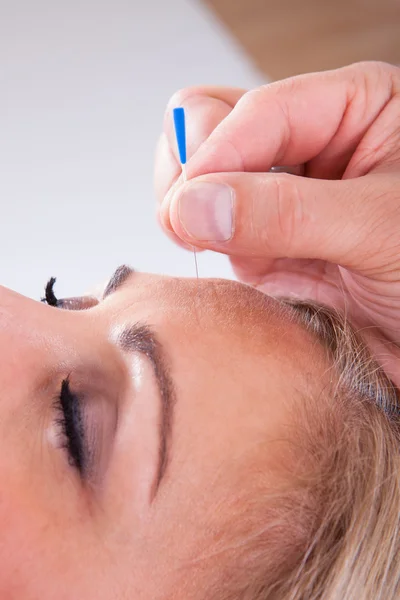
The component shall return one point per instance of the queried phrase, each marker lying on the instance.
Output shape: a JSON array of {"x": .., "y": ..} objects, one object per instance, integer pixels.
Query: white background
[{"x": 83, "y": 86}]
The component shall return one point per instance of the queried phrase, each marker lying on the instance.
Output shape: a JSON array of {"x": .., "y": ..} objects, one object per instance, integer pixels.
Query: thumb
[{"x": 279, "y": 216}]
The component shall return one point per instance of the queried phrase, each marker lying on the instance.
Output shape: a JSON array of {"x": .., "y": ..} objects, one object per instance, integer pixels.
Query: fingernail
[{"x": 206, "y": 211}]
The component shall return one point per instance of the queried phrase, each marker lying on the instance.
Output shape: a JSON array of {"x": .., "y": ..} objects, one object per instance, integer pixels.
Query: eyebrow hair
[
  {"x": 140, "y": 338},
  {"x": 117, "y": 280}
]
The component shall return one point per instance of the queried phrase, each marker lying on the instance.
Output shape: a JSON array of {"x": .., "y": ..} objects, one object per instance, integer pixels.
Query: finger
[
  {"x": 205, "y": 108},
  {"x": 318, "y": 117},
  {"x": 283, "y": 216},
  {"x": 167, "y": 168},
  {"x": 173, "y": 237},
  {"x": 302, "y": 278}
]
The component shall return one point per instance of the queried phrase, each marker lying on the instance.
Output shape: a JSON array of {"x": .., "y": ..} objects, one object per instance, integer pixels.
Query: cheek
[
  {"x": 41, "y": 550},
  {"x": 39, "y": 556},
  {"x": 23, "y": 541}
]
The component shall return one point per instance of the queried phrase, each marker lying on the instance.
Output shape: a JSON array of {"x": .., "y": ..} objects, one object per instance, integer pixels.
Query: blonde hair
[{"x": 351, "y": 550}]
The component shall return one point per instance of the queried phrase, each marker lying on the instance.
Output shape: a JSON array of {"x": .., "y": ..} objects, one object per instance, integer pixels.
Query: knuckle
[
  {"x": 253, "y": 98},
  {"x": 248, "y": 100},
  {"x": 375, "y": 79},
  {"x": 372, "y": 227},
  {"x": 286, "y": 214},
  {"x": 371, "y": 69},
  {"x": 383, "y": 221}
]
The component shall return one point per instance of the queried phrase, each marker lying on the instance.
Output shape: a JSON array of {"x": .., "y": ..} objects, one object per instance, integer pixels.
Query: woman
[
  {"x": 179, "y": 439},
  {"x": 193, "y": 440}
]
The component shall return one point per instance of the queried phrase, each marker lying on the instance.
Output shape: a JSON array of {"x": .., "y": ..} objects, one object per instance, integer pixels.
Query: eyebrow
[
  {"x": 140, "y": 338},
  {"x": 117, "y": 280}
]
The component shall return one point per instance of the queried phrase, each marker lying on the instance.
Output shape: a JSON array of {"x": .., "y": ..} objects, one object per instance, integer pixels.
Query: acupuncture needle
[{"x": 180, "y": 132}]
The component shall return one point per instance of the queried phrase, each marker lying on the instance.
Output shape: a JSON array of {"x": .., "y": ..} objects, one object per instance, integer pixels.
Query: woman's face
[{"x": 132, "y": 433}]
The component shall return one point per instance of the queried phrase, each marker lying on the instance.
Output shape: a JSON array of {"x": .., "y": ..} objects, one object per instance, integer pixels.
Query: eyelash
[
  {"x": 71, "y": 428},
  {"x": 49, "y": 295},
  {"x": 68, "y": 407}
]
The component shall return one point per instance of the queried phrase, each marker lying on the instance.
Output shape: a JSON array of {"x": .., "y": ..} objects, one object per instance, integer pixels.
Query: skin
[
  {"x": 328, "y": 233},
  {"x": 239, "y": 368}
]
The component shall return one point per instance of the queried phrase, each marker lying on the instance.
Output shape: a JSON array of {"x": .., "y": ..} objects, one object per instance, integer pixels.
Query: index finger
[
  {"x": 205, "y": 108},
  {"x": 319, "y": 117}
]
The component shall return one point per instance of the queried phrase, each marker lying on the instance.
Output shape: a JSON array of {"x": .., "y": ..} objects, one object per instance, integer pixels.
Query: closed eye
[
  {"x": 75, "y": 303},
  {"x": 71, "y": 425}
]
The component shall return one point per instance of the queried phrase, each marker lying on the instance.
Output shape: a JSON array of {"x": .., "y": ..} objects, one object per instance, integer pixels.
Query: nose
[
  {"x": 22, "y": 344},
  {"x": 15, "y": 309},
  {"x": 33, "y": 335}
]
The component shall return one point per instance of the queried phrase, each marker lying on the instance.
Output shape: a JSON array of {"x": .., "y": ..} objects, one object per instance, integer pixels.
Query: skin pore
[{"x": 183, "y": 392}]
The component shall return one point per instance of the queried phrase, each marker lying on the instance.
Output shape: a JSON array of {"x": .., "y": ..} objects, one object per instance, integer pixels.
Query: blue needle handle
[{"x": 180, "y": 131}]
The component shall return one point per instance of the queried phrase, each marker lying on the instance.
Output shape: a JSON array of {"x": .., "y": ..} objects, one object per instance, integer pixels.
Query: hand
[{"x": 331, "y": 235}]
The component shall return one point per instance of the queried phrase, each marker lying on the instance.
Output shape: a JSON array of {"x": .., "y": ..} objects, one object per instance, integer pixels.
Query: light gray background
[{"x": 83, "y": 86}]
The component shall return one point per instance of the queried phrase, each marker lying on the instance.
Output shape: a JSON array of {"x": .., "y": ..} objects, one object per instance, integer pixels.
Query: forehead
[
  {"x": 209, "y": 299},
  {"x": 213, "y": 315}
]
